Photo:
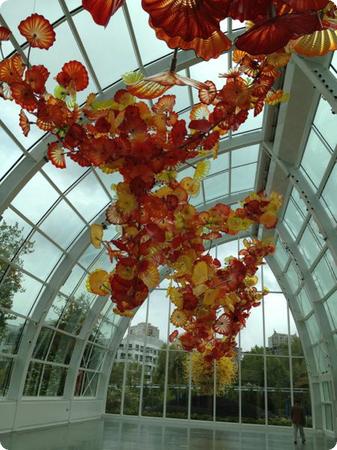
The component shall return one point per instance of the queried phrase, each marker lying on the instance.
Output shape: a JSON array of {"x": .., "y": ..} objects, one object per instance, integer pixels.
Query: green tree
[
  {"x": 11, "y": 242},
  {"x": 175, "y": 366}
]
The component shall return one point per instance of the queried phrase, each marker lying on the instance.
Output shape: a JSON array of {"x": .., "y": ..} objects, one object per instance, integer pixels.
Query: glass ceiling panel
[
  {"x": 24, "y": 299},
  {"x": 150, "y": 48},
  {"x": 63, "y": 179},
  {"x": 323, "y": 276},
  {"x": 243, "y": 178},
  {"x": 329, "y": 194},
  {"x": 309, "y": 245},
  {"x": 9, "y": 114},
  {"x": 72, "y": 280},
  {"x": 88, "y": 197},
  {"x": 110, "y": 51},
  {"x": 9, "y": 153},
  {"x": 281, "y": 255},
  {"x": 293, "y": 219},
  {"x": 44, "y": 257},
  {"x": 331, "y": 308},
  {"x": 245, "y": 155},
  {"x": 63, "y": 225},
  {"x": 216, "y": 186},
  {"x": 252, "y": 123},
  {"x": 303, "y": 302},
  {"x": 35, "y": 198},
  {"x": 315, "y": 159},
  {"x": 219, "y": 164},
  {"x": 326, "y": 122}
]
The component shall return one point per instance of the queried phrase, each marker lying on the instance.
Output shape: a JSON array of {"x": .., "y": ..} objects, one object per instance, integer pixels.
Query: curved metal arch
[
  {"x": 32, "y": 329},
  {"x": 318, "y": 307}
]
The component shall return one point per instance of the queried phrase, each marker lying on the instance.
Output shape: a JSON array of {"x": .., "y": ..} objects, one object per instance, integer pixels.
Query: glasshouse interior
[{"x": 168, "y": 224}]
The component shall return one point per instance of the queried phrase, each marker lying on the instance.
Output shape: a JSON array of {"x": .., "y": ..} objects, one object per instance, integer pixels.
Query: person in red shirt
[{"x": 298, "y": 420}]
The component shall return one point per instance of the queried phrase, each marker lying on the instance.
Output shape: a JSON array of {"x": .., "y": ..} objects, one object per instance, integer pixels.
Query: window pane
[
  {"x": 93, "y": 357},
  {"x": 313, "y": 329},
  {"x": 11, "y": 328},
  {"x": 243, "y": 178},
  {"x": 303, "y": 302},
  {"x": 114, "y": 395},
  {"x": 45, "y": 380},
  {"x": 276, "y": 323},
  {"x": 22, "y": 296},
  {"x": 86, "y": 384},
  {"x": 216, "y": 186},
  {"x": 323, "y": 276},
  {"x": 329, "y": 193},
  {"x": 331, "y": 309},
  {"x": 177, "y": 387},
  {"x": 315, "y": 159},
  {"x": 326, "y": 122},
  {"x": 252, "y": 381},
  {"x": 5, "y": 373}
]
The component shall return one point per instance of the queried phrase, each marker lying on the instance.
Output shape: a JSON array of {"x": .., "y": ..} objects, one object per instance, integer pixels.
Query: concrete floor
[{"x": 117, "y": 434}]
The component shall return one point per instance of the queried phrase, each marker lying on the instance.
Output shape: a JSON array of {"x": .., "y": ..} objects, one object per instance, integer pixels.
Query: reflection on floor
[{"x": 147, "y": 435}]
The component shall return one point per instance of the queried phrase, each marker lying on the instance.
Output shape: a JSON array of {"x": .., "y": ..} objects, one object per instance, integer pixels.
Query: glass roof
[{"x": 53, "y": 208}]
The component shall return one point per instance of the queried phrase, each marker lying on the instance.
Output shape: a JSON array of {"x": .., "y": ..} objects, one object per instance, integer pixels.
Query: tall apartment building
[
  {"x": 278, "y": 339},
  {"x": 132, "y": 348}
]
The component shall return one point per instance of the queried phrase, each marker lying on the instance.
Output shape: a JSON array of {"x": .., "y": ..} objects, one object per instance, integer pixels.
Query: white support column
[{"x": 318, "y": 308}]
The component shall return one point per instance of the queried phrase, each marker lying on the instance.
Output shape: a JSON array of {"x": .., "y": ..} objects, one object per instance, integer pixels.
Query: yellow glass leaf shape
[
  {"x": 163, "y": 191},
  {"x": 175, "y": 296},
  {"x": 98, "y": 282},
  {"x": 200, "y": 273},
  {"x": 200, "y": 289},
  {"x": 210, "y": 297},
  {"x": 132, "y": 77},
  {"x": 147, "y": 89},
  {"x": 178, "y": 318},
  {"x": 126, "y": 203},
  {"x": 199, "y": 111},
  {"x": 60, "y": 92},
  {"x": 166, "y": 176},
  {"x": 96, "y": 234},
  {"x": 151, "y": 276},
  {"x": 275, "y": 97},
  {"x": 191, "y": 185},
  {"x": 251, "y": 281},
  {"x": 316, "y": 44},
  {"x": 183, "y": 265},
  {"x": 202, "y": 169},
  {"x": 99, "y": 105}
]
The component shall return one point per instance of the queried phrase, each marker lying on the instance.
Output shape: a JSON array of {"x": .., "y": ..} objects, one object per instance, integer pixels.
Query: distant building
[
  {"x": 278, "y": 339},
  {"x": 132, "y": 348}
]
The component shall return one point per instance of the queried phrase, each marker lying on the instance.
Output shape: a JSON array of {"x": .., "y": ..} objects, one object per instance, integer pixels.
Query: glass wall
[{"x": 151, "y": 377}]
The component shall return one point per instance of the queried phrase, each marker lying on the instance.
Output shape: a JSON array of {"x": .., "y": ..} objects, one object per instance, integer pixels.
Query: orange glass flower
[
  {"x": 23, "y": 95},
  {"x": 73, "y": 76},
  {"x": 36, "y": 77},
  {"x": 4, "y": 33},
  {"x": 56, "y": 155},
  {"x": 102, "y": 10},
  {"x": 11, "y": 69},
  {"x": 274, "y": 34},
  {"x": 24, "y": 123},
  {"x": 192, "y": 24},
  {"x": 38, "y": 31}
]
